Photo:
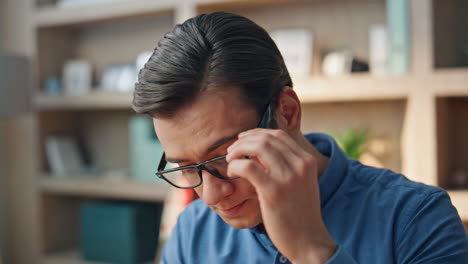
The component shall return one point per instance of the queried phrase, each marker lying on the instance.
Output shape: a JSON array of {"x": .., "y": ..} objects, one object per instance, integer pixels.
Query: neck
[{"x": 322, "y": 160}]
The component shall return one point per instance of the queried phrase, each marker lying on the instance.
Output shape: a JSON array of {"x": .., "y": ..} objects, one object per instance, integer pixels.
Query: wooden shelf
[
  {"x": 355, "y": 88},
  {"x": 216, "y": 5},
  {"x": 56, "y": 16},
  {"x": 451, "y": 82},
  {"x": 310, "y": 90},
  {"x": 67, "y": 257},
  {"x": 73, "y": 257},
  {"x": 86, "y": 186},
  {"x": 313, "y": 90},
  {"x": 460, "y": 201},
  {"x": 94, "y": 100}
]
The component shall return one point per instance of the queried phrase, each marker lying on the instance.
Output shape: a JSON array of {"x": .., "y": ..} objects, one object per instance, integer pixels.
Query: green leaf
[{"x": 352, "y": 141}]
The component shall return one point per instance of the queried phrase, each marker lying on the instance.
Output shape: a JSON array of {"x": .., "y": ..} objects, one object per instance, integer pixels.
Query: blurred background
[{"x": 387, "y": 78}]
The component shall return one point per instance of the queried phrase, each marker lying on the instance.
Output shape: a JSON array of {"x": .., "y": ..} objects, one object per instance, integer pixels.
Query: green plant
[{"x": 352, "y": 141}]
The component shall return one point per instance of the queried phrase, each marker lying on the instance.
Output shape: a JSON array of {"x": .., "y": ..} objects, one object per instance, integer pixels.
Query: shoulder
[
  {"x": 394, "y": 190},
  {"x": 425, "y": 224},
  {"x": 385, "y": 181},
  {"x": 411, "y": 204}
]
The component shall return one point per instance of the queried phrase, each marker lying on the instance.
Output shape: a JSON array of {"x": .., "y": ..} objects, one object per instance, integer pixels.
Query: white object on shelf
[
  {"x": 296, "y": 46},
  {"x": 63, "y": 155},
  {"x": 119, "y": 78},
  {"x": 337, "y": 63},
  {"x": 126, "y": 79},
  {"x": 77, "y": 76},
  {"x": 378, "y": 50},
  {"x": 141, "y": 60}
]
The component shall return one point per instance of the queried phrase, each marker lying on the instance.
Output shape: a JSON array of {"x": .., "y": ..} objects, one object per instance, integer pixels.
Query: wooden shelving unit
[
  {"x": 97, "y": 187},
  {"x": 459, "y": 200},
  {"x": 313, "y": 90},
  {"x": 450, "y": 82},
  {"x": 355, "y": 88},
  {"x": 404, "y": 110},
  {"x": 94, "y": 100},
  {"x": 58, "y": 17},
  {"x": 67, "y": 257},
  {"x": 70, "y": 257}
]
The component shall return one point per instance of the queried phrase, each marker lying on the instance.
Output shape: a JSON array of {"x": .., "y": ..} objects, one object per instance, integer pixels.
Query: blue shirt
[{"x": 374, "y": 215}]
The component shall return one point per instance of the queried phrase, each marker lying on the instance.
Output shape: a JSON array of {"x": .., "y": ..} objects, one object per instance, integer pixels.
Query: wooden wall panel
[
  {"x": 120, "y": 42},
  {"x": 450, "y": 38},
  {"x": 383, "y": 119}
]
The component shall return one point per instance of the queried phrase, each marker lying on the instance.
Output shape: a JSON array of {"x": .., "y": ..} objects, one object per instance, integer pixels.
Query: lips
[{"x": 233, "y": 211}]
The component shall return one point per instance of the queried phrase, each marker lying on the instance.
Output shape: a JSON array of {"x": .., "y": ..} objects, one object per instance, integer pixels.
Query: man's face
[{"x": 204, "y": 130}]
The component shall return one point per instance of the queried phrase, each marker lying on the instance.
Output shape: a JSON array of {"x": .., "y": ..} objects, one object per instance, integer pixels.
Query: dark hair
[{"x": 210, "y": 51}]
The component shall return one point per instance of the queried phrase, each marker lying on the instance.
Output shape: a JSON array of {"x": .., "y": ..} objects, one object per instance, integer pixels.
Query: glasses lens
[
  {"x": 218, "y": 168},
  {"x": 183, "y": 178}
]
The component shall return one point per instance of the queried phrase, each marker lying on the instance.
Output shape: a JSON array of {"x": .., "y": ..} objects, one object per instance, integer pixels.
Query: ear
[{"x": 288, "y": 110}]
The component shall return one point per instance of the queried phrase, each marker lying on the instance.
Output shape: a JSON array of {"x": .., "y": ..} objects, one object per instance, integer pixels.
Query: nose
[{"x": 214, "y": 189}]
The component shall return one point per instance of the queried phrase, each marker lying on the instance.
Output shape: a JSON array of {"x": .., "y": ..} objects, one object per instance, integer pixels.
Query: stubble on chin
[{"x": 252, "y": 218}]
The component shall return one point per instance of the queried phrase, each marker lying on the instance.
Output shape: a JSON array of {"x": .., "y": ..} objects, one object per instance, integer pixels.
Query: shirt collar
[
  {"x": 333, "y": 176},
  {"x": 262, "y": 236}
]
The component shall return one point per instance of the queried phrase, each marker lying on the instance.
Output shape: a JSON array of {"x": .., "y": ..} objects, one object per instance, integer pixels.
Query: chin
[
  {"x": 248, "y": 217},
  {"x": 242, "y": 223}
]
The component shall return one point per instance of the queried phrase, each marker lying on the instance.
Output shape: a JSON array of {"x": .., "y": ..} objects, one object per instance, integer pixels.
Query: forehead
[{"x": 212, "y": 116}]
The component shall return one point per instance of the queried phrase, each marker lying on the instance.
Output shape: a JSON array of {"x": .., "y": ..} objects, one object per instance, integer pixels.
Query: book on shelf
[
  {"x": 296, "y": 47},
  {"x": 63, "y": 155},
  {"x": 145, "y": 150}
]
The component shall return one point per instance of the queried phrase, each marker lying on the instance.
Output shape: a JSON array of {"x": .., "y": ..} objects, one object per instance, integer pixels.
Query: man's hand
[{"x": 285, "y": 178}]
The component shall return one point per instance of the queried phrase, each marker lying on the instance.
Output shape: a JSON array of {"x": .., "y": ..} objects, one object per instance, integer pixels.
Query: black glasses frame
[
  {"x": 267, "y": 117},
  {"x": 199, "y": 167}
]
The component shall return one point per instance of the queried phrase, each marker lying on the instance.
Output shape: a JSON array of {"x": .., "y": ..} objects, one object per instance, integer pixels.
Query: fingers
[
  {"x": 274, "y": 133},
  {"x": 271, "y": 153},
  {"x": 267, "y": 145},
  {"x": 274, "y": 152},
  {"x": 240, "y": 167},
  {"x": 276, "y": 164}
]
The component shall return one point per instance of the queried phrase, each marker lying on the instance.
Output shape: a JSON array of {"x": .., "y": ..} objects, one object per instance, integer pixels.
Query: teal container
[
  {"x": 398, "y": 23},
  {"x": 119, "y": 232},
  {"x": 145, "y": 150}
]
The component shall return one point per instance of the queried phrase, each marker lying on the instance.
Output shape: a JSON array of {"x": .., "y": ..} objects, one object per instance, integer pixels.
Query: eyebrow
[{"x": 214, "y": 146}]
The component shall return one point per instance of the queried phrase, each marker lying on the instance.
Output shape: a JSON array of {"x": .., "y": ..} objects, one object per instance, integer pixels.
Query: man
[{"x": 225, "y": 112}]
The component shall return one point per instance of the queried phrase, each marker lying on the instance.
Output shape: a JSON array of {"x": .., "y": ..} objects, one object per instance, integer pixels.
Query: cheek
[
  {"x": 245, "y": 184},
  {"x": 199, "y": 191},
  {"x": 242, "y": 189}
]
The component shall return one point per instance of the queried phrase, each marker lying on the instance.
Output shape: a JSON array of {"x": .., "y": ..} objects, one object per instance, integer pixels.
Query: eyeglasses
[{"x": 190, "y": 176}]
